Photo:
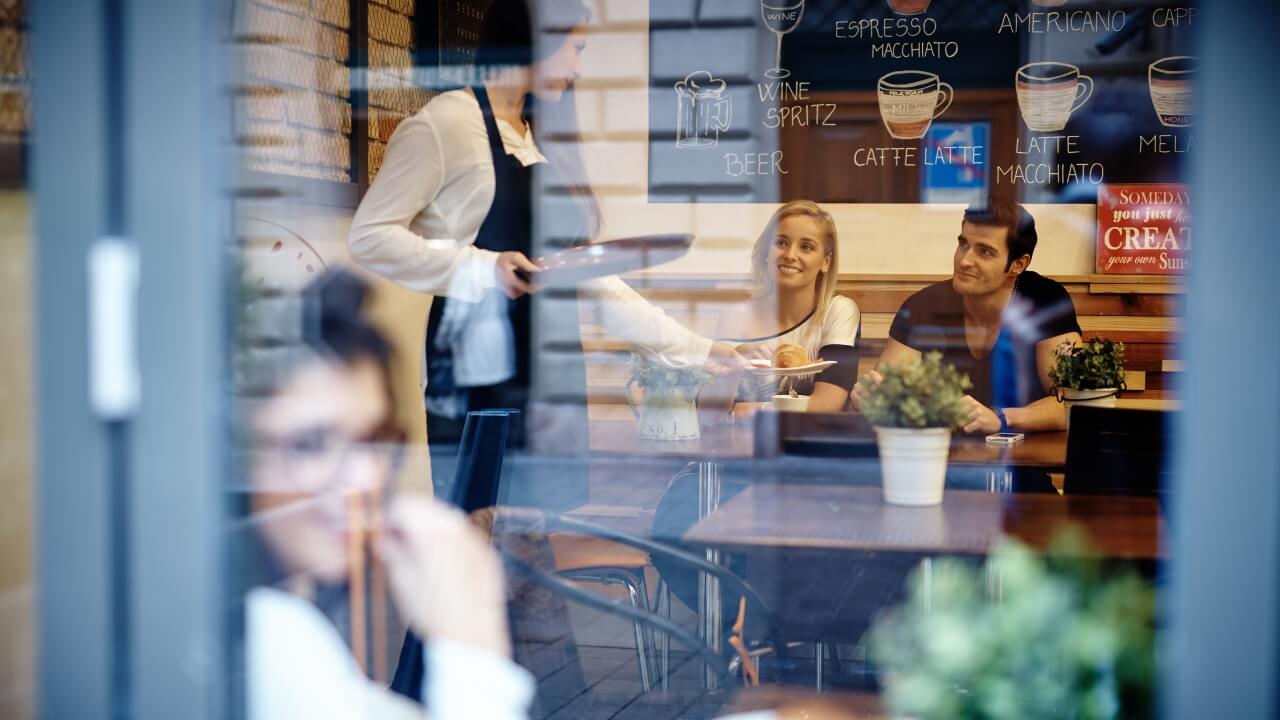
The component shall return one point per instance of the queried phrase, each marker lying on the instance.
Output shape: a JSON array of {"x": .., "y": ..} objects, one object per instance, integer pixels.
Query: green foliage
[
  {"x": 1091, "y": 365},
  {"x": 657, "y": 378},
  {"x": 923, "y": 394},
  {"x": 1064, "y": 640}
]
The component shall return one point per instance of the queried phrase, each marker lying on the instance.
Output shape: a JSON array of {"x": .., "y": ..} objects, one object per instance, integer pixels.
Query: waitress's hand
[
  {"x": 724, "y": 359},
  {"x": 506, "y": 268},
  {"x": 757, "y": 355},
  {"x": 445, "y": 578}
]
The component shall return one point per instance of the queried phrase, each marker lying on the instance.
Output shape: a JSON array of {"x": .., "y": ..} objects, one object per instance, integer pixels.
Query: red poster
[{"x": 1144, "y": 229}]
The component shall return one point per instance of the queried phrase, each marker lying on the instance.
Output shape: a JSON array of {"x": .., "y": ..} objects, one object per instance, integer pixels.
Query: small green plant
[
  {"x": 1091, "y": 365},
  {"x": 656, "y": 377},
  {"x": 923, "y": 394},
  {"x": 1066, "y": 638}
]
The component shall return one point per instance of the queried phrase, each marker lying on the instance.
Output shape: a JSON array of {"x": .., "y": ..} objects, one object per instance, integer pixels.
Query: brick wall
[
  {"x": 13, "y": 72},
  {"x": 294, "y": 111},
  {"x": 393, "y": 95}
]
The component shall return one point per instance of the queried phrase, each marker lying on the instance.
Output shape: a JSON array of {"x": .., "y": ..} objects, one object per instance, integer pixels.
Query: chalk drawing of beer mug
[
  {"x": 910, "y": 100},
  {"x": 703, "y": 110},
  {"x": 1172, "y": 81},
  {"x": 1048, "y": 92}
]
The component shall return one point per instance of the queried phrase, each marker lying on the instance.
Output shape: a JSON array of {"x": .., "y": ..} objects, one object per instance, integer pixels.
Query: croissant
[{"x": 789, "y": 356}]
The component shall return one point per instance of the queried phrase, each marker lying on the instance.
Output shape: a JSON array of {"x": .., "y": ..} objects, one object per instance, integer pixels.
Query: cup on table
[
  {"x": 910, "y": 100},
  {"x": 791, "y": 403},
  {"x": 1048, "y": 92},
  {"x": 1172, "y": 81}
]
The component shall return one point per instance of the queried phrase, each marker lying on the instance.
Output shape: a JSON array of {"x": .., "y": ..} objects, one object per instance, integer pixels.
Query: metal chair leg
[
  {"x": 642, "y": 648},
  {"x": 664, "y": 606},
  {"x": 637, "y": 595},
  {"x": 819, "y": 656},
  {"x": 650, "y": 635}
]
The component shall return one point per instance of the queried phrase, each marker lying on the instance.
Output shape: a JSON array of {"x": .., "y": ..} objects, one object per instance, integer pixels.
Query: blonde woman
[{"x": 794, "y": 266}]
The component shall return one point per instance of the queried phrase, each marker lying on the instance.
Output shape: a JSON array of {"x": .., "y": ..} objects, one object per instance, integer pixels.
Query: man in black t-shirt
[{"x": 995, "y": 321}]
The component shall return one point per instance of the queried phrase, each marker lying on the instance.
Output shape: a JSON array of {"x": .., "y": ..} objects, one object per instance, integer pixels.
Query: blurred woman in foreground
[{"x": 324, "y": 452}]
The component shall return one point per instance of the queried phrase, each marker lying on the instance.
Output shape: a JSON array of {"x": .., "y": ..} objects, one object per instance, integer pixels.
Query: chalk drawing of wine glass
[
  {"x": 1172, "y": 81},
  {"x": 781, "y": 17},
  {"x": 703, "y": 111}
]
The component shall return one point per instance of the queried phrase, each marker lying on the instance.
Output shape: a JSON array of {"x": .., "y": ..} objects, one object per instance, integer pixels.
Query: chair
[
  {"x": 1114, "y": 451},
  {"x": 592, "y": 559},
  {"x": 481, "y": 451},
  {"x": 530, "y": 522},
  {"x": 477, "y": 484}
]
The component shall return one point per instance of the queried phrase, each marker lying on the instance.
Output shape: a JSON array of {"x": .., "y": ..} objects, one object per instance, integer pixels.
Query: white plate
[{"x": 809, "y": 369}]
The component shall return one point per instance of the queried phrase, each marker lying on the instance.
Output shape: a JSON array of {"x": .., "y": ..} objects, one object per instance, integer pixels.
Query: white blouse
[
  {"x": 418, "y": 222},
  {"x": 298, "y": 666},
  {"x": 838, "y": 327}
]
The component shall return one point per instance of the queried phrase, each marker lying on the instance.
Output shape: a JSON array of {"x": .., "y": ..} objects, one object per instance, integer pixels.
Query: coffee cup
[
  {"x": 909, "y": 7},
  {"x": 1172, "y": 83},
  {"x": 791, "y": 403},
  {"x": 910, "y": 100},
  {"x": 1048, "y": 92}
]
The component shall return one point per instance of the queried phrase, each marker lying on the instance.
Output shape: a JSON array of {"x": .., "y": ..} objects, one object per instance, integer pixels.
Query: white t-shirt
[
  {"x": 838, "y": 327},
  {"x": 299, "y": 667},
  {"x": 417, "y": 223}
]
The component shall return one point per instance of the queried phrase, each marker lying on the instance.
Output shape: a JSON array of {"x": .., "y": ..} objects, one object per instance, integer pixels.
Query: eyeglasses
[{"x": 322, "y": 458}]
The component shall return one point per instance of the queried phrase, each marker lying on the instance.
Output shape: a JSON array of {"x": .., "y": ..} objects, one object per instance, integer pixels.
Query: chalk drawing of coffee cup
[
  {"x": 910, "y": 100},
  {"x": 1172, "y": 82},
  {"x": 703, "y": 111},
  {"x": 1048, "y": 92},
  {"x": 909, "y": 7},
  {"x": 1048, "y": 3}
]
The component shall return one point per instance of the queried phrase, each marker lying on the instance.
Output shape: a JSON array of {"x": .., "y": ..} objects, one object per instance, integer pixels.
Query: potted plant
[
  {"x": 913, "y": 411},
  {"x": 1088, "y": 373},
  {"x": 1061, "y": 637},
  {"x": 668, "y": 407}
]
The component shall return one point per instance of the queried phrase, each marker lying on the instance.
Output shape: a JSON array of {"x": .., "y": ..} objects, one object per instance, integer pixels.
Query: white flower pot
[
  {"x": 913, "y": 464},
  {"x": 789, "y": 403},
  {"x": 1102, "y": 397},
  {"x": 666, "y": 415}
]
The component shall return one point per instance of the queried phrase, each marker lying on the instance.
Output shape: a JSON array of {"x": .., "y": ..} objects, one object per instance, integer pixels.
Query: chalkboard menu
[{"x": 917, "y": 100}]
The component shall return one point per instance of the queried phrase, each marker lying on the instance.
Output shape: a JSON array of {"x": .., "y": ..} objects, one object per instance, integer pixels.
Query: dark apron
[{"x": 507, "y": 227}]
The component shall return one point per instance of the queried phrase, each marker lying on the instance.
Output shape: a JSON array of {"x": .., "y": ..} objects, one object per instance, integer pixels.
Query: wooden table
[
  {"x": 842, "y": 518},
  {"x": 616, "y": 434}
]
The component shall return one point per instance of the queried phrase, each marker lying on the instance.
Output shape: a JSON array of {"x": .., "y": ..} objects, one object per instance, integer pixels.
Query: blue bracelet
[{"x": 1004, "y": 421}]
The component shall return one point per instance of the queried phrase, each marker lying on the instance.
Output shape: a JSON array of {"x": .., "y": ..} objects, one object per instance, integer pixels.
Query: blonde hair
[{"x": 826, "y": 285}]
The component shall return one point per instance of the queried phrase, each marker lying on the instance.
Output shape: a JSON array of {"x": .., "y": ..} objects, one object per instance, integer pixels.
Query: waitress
[{"x": 449, "y": 214}]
